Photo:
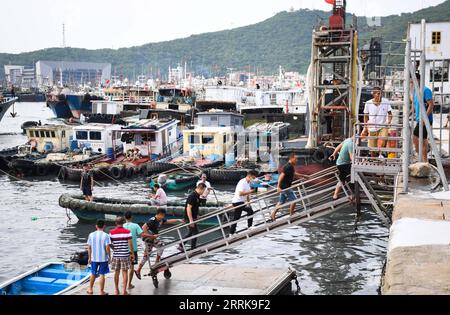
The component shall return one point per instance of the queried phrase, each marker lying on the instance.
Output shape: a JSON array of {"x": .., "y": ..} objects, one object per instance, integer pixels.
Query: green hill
[{"x": 284, "y": 39}]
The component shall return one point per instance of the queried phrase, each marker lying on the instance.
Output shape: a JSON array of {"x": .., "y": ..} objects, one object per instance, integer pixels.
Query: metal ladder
[{"x": 314, "y": 199}]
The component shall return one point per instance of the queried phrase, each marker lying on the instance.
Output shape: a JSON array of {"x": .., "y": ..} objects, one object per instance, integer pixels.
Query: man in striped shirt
[
  {"x": 123, "y": 254},
  {"x": 99, "y": 256}
]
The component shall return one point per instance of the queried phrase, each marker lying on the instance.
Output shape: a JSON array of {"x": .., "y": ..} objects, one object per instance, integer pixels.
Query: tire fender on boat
[
  {"x": 63, "y": 173},
  {"x": 321, "y": 155},
  {"x": 115, "y": 172}
]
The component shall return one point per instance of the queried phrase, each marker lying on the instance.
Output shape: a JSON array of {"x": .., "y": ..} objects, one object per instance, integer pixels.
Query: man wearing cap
[{"x": 377, "y": 117}]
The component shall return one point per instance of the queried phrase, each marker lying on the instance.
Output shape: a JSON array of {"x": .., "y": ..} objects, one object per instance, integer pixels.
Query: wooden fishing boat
[
  {"x": 49, "y": 279},
  {"x": 109, "y": 208},
  {"x": 178, "y": 179}
]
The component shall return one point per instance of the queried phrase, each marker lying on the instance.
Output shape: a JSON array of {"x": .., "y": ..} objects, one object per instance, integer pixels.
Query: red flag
[{"x": 330, "y": 1}]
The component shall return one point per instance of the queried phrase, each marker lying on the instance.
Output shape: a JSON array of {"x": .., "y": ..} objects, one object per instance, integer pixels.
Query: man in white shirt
[
  {"x": 377, "y": 115},
  {"x": 241, "y": 196},
  {"x": 204, "y": 197},
  {"x": 160, "y": 197}
]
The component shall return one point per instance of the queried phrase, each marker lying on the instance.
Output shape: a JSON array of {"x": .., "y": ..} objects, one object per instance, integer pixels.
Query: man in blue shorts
[
  {"x": 99, "y": 256},
  {"x": 284, "y": 183}
]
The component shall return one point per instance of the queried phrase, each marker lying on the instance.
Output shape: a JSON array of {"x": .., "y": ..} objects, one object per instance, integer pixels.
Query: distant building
[
  {"x": 437, "y": 45},
  {"x": 24, "y": 76},
  {"x": 72, "y": 73}
]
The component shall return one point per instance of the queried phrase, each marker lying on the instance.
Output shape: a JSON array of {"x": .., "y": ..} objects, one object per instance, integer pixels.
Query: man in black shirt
[
  {"x": 87, "y": 184},
  {"x": 150, "y": 237},
  {"x": 191, "y": 214},
  {"x": 284, "y": 183}
]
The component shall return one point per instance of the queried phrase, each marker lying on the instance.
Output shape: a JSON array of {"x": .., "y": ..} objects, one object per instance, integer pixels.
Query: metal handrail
[{"x": 310, "y": 201}]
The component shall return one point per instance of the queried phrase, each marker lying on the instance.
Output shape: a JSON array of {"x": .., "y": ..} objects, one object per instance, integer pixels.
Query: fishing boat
[
  {"x": 108, "y": 209},
  {"x": 48, "y": 279},
  {"x": 57, "y": 102},
  {"x": 6, "y": 155},
  {"x": 81, "y": 103},
  {"x": 5, "y": 104},
  {"x": 177, "y": 179}
]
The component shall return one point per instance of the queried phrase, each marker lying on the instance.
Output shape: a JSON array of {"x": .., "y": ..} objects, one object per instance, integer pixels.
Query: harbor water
[{"x": 330, "y": 255}]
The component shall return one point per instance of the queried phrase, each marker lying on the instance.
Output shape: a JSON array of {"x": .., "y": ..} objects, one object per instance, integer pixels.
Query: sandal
[{"x": 138, "y": 275}]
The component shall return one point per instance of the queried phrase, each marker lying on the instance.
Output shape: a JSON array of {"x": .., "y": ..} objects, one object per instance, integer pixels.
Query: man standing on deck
[
  {"x": 429, "y": 105},
  {"x": 285, "y": 183},
  {"x": 136, "y": 232},
  {"x": 344, "y": 163},
  {"x": 99, "y": 257},
  {"x": 204, "y": 197},
  {"x": 377, "y": 117},
  {"x": 121, "y": 241},
  {"x": 87, "y": 183},
  {"x": 241, "y": 196},
  {"x": 191, "y": 214}
]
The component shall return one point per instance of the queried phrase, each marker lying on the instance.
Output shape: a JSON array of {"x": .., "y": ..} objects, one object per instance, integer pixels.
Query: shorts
[
  {"x": 425, "y": 131},
  {"x": 344, "y": 171},
  {"x": 373, "y": 143},
  {"x": 87, "y": 191},
  {"x": 287, "y": 196},
  {"x": 136, "y": 259},
  {"x": 99, "y": 268},
  {"x": 119, "y": 264}
]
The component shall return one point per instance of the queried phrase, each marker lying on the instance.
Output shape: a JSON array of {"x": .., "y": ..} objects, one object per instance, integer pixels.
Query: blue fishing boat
[
  {"x": 49, "y": 279},
  {"x": 80, "y": 103},
  {"x": 59, "y": 106}
]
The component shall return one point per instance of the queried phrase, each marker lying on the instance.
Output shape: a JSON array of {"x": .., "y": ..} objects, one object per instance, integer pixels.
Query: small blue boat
[{"x": 49, "y": 279}]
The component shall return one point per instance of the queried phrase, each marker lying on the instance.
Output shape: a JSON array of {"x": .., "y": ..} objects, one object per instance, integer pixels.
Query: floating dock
[
  {"x": 418, "y": 259},
  {"x": 197, "y": 279}
]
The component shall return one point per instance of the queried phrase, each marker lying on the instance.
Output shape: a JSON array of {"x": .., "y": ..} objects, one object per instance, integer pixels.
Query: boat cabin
[
  {"x": 267, "y": 135},
  {"x": 209, "y": 142},
  {"x": 107, "y": 108},
  {"x": 49, "y": 138},
  {"x": 155, "y": 138},
  {"x": 97, "y": 137},
  {"x": 219, "y": 118}
]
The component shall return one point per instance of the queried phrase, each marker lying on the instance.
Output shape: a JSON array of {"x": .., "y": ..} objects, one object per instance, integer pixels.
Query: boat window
[
  {"x": 42, "y": 134},
  {"x": 47, "y": 134},
  {"x": 95, "y": 135},
  {"x": 436, "y": 38},
  {"x": 439, "y": 70},
  {"x": 63, "y": 133},
  {"x": 194, "y": 139},
  {"x": 31, "y": 133},
  {"x": 82, "y": 135},
  {"x": 53, "y": 134},
  {"x": 214, "y": 118},
  {"x": 207, "y": 139},
  {"x": 149, "y": 137}
]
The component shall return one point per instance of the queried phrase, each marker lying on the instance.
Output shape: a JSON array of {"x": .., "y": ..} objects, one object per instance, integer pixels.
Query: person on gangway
[
  {"x": 191, "y": 211},
  {"x": 285, "y": 183},
  {"x": 344, "y": 163},
  {"x": 241, "y": 196}
]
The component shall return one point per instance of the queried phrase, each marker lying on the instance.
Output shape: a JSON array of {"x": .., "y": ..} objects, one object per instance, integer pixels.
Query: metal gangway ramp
[{"x": 314, "y": 199}]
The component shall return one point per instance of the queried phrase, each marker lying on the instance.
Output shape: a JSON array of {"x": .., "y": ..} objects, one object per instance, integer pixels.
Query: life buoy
[
  {"x": 115, "y": 172},
  {"x": 321, "y": 155}
]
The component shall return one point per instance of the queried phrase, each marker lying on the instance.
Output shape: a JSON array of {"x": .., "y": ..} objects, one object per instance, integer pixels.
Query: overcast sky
[{"x": 28, "y": 25}]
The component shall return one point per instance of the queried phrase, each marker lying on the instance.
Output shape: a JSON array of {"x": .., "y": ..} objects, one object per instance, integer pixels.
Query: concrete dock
[
  {"x": 418, "y": 261},
  {"x": 196, "y": 279}
]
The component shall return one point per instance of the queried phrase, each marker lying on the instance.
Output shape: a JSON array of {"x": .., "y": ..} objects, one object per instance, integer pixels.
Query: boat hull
[
  {"x": 81, "y": 104},
  {"x": 108, "y": 209},
  {"x": 4, "y": 107},
  {"x": 49, "y": 279},
  {"x": 60, "y": 109}
]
